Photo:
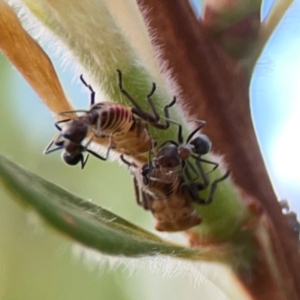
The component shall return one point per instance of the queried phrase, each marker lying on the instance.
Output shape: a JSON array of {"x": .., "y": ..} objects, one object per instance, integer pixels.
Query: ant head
[
  {"x": 167, "y": 157},
  {"x": 202, "y": 144},
  {"x": 76, "y": 130},
  {"x": 72, "y": 160}
]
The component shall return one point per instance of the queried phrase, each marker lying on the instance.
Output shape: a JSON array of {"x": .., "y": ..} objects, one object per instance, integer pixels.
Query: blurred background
[{"x": 37, "y": 263}]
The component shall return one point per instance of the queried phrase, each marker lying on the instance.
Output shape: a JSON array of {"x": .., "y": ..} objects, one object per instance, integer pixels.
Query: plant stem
[
  {"x": 267, "y": 28},
  {"x": 216, "y": 89}
]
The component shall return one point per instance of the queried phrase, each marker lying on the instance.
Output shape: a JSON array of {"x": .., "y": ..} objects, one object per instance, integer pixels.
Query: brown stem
[{"x": 216, "y": 89}]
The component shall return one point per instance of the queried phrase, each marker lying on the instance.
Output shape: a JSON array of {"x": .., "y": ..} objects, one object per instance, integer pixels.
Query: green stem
[{"x": 267, "y": 29}]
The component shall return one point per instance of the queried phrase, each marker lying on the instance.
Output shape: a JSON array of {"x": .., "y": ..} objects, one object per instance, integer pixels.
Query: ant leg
[
  {"x": 157, "y": 116},
  {"x": 125, "y": 161},
  {"x": 193, "y": 188},
  {"x": 186, "y": 171},
  {"x": 84, "y": 161},
  {"x": 202, "y": 174},
  {"x": 96, "y": 154},
  {"x": 47, "y": 150},
  {"x": 202, "y": 123},
  {"x": 61, "y": 121},
  {"x": 179, "y": 133},
  {"x": 152, "y": 90},
  {"x": 166, "y": 109},
  {"x": 153, "y": 119},
  {"x": 198, "y": 185},
  {"x": 214, "y": 187},
  {"x": 200, "y": 159},
  {"x": 145, "y": 201},
  {"x": 188, "y": 174},
  {"x": 92, "y": 101},
  {"x": 183, "y": 165},
  {"x": 137, "y": 192},
  {"x": 124, "y": 92}
]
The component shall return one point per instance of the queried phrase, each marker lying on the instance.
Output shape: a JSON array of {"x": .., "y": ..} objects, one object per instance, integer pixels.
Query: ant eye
[{"x": 72, "y": 160}]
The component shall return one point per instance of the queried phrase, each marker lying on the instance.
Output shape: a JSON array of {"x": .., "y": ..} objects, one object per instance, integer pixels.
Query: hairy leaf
[{"x": 82, "y": 220}]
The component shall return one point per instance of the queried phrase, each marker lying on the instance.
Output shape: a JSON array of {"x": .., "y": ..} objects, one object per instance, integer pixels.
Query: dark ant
[{"x": 173, "y": 154}]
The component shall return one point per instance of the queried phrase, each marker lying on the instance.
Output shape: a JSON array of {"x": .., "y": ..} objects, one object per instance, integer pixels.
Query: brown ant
[
  {"x": 168, "y": 196},
  {"x": 164, "y": 195},
  {"x": 128, "y": 127}
]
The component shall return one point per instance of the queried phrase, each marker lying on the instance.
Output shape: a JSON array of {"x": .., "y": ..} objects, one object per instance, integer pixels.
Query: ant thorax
[
  {"x": 185, "y": 151},
  {"x": 75, "y": 130}
]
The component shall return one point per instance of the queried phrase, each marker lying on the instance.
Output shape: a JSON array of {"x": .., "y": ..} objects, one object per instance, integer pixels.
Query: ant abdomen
[{"x": 202, "y": 144}]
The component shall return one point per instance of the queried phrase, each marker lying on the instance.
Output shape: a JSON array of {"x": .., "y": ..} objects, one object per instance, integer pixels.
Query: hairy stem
[{"x": 217, "y": 90}]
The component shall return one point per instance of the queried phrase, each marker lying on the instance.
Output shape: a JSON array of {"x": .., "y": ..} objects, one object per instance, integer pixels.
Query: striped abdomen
[
  {"x": 174, "y": 213},
  {"x": 163, "y": 183},
  {"x": 111, "y": 118},
  {"x": 169, "y": 201},
  {"x": 130, "y": 133}
]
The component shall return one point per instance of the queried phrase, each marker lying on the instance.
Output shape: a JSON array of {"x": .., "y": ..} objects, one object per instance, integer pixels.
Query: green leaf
[{"x": 82, "y": 220}]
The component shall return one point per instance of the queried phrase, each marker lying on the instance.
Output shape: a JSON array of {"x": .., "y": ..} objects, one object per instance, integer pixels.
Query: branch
[
  {"x": 268, "y": 27},
  {"x": 216, "y": 89}
]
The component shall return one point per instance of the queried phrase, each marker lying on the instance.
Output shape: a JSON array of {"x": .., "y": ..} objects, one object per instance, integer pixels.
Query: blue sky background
[
  {"x": 274, "y": 102},
  {"x": 276, "y": 107}
]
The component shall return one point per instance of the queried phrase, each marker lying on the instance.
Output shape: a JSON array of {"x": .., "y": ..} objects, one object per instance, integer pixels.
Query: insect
[
  {"x": 163, "y": 194},
  {"x": 127, "y": 127},
  {"x": 172, "y": 154},
  {"x": 170, "y": 199}
]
